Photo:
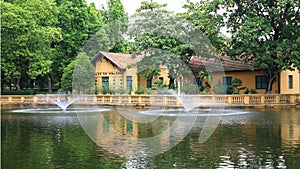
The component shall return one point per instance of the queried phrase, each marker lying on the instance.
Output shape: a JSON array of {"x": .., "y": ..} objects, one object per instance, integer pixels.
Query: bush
[
  {"x": 18, "y": 92},
  {"x": 219, "y": 88},
  {"x": 149, "y": 91},
  {"x": 121, "y": 90},
  {"x": 191, "y": 89},
  {"x": 139, "y": 90},
  {"x": 253, "y": 91},
  {"x": 105, "y": 90}
]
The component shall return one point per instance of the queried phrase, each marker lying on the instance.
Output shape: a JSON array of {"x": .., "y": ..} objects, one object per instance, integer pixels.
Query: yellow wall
[
  {"x": 117, "y": 77},
  {"x": 248, "y": 79},
  {"x": 164, "y": 72},
  {"x": 104, "y": 68},
  {"x": 284, "y": 82}
]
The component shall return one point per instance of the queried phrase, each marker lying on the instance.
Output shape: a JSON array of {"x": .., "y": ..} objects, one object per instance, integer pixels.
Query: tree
[
  {"x": 207, "y": 78},
  {"x": 67, "y": 77},
  {"x": 27, "y": 35},
  {"x": 164, "y": 39},
  {"x": 83, "y": 75},
  {"x": 204, "y": 15},
  {"x": 109, "y": 37},
  {"x": 264, "y": 33},
  {"x": 78, "y": 22}
]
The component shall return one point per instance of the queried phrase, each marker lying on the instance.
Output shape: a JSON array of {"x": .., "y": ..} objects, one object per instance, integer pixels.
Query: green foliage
[
  {"x": 264, "y": 33},
  {"x": 139, "y": 90},
  {"x": 162, "y": 37},
  {"x": 105, "y": 90},
  {"x": 158, "y": 84},
  {"x": 236, "y": 86},
  {"x": 149, "y": 91},
  {"x": 67, "y": 77},
  {"x": 190, "y": 89},
  {"x": 203, "y": 15},
  {"x": 121, "y": 90},
  {"x": 27, "y": 35},
  {"x": 18, "y": 92},
  {"x": 219, "y": 88},
  {"x": 250, "y": 91},
  {"x": 78, "y": 22},
  {"x": 206, "y": 77},
  {"x": 83, "y": 75}
]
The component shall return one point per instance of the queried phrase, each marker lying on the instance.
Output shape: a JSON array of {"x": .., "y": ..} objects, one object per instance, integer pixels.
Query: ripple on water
[{"x": 60, "y": 111}]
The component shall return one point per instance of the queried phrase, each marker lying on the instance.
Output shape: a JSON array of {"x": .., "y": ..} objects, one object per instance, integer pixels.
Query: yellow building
[
  {"x": 117, "y": 71},
  {"x": 287, "y": 82}
]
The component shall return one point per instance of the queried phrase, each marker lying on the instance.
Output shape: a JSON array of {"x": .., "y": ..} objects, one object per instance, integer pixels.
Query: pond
[{"x": 37, "y": 139}]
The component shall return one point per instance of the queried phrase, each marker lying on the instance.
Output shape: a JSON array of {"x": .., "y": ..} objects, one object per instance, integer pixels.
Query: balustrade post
[
  {"x": 22, "y": 99},
  {"x": 262, "y": 99},
  {"x": 129, "y": 99},
  {"x": 229, "y": 99},
  {"x": 277, "y": 99},
  {"x": 35, "y": 99},
  {"x": 246, "y": 100},
  {"x": 293, "y": 99}
]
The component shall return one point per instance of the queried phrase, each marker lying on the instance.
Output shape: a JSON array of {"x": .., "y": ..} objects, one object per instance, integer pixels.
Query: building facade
[{"x": 117, "y": 71}]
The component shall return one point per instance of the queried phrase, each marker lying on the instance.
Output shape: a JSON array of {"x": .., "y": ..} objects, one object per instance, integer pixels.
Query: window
[
  {"x": 129, "y": 82},
  {"x": 149, "y": 82},
  {"x": 260, "y": 82},
  {"x": 105, "y": 82},
  {"x": 162, "y": 79},
  {"x": 290, "y": 82},
  {"x": 227, "y": 81},
  {"x": 198, "y": 81}
]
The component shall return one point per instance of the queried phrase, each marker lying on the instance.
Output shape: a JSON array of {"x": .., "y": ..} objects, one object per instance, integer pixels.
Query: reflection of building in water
[
  {"x": 120, "y": 135},
  {"x": 290, "y": 128}
]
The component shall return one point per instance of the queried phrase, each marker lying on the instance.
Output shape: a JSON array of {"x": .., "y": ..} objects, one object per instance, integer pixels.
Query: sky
[{"x": 131, "y": 5}]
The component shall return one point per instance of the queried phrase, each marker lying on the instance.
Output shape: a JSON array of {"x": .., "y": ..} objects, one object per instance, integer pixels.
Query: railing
[{"x": 162, "y": 100}]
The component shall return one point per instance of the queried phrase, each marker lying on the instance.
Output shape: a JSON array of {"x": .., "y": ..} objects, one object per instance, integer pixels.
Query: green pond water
[{"x": 47, "y": 138}]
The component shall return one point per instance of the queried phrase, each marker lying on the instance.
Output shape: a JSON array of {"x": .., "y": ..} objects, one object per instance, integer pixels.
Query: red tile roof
[
  {"x": 199, "y": 64},
  {"x": 196, "y": 63},
  {"x": 118, "y": 59}
]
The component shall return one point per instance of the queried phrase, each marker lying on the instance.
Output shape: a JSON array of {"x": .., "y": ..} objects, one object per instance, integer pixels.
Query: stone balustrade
[{"x": 246, "y": 100}]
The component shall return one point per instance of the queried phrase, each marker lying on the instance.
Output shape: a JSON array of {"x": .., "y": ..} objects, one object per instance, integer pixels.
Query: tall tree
[
  {"x": 78, "y": 22},
  {"x": 265, "y": 33},
  {"x": 27, "y": 36},
  {"x": 165, "y": 39},
  {"x": 205, "y": 16},
  {"x": 117, "y": 22},
  {"x": 83, "y": 75}
]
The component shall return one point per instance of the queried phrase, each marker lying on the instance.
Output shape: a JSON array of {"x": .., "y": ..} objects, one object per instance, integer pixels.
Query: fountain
[{"x": 63, "y": 102}]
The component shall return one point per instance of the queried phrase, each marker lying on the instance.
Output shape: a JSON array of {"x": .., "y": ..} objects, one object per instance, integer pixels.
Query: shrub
[
  {"x": 253, "y": 91},
  {"x": 149, "y": 91},
  {"x": 17, "y": 92},
  {"x": 121, "y": 90},
  {"x": 105, "y": 90},
  {"x": 190, "y": 89},
  {"x": 139, "y": 90},
  {"x": 219, "y": 88}
]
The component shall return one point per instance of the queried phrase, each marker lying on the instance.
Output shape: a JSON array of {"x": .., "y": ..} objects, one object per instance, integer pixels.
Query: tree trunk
[
  {"x": 49, "y": 84},
  {"x": 18, "y": 82},
  {"x": 171, "y": 83},
  {"x": 270, "y": 84}
]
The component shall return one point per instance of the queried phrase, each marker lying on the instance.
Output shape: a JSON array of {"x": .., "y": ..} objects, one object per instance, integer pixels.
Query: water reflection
[{"x": 259, "y": 139}]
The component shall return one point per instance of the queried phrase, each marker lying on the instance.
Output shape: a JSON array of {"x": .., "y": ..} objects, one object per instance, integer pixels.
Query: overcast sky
[{"x": 131, "y": 5}]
